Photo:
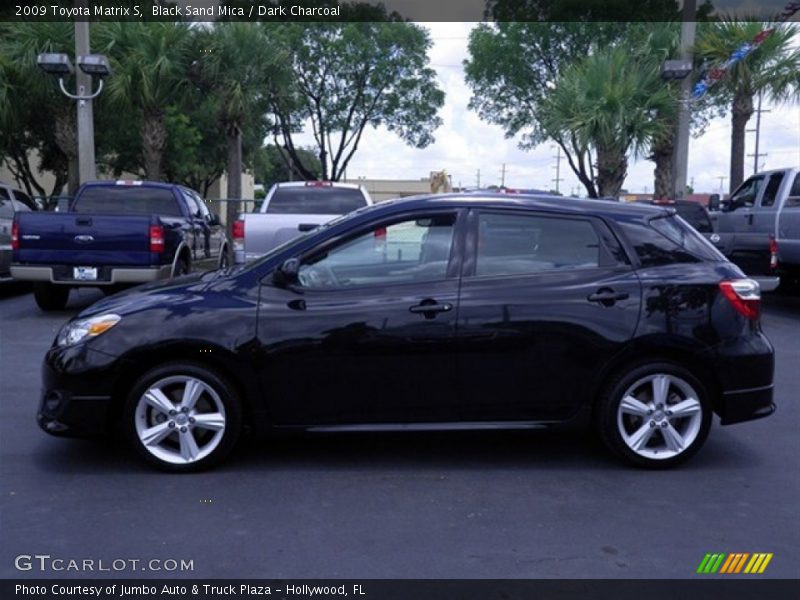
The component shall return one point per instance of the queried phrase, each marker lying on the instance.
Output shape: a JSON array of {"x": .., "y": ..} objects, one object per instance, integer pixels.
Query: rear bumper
[
  {"x": 106, "y": 275},
  {"x": 746, "y": 405}
]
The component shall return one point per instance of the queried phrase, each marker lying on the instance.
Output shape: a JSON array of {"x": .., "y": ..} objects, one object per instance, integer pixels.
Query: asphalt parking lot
[{"x": 455, "y": 505}]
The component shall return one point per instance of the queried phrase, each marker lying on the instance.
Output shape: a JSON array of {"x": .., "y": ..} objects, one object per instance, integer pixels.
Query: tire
[
  {"x": 645, "y": 430},
  {"x": 158, "y": 399},
  {"x": 181, "y": 267},
  {"x": 49, "y": 296},
  {"x": 225, "y": 259}
]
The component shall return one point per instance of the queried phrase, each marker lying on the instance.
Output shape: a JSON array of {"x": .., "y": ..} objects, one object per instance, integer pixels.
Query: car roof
[
  {"x": 318, "y": 184},
  {"x": 531, "y": 202}
]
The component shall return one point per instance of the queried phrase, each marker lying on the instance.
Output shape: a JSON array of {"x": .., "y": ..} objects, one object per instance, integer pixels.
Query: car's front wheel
[
  {"x": 655, "y": 415},
  {"x": 183, "y": 417}
]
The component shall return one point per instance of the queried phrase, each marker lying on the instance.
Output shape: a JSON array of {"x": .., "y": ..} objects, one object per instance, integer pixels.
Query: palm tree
[
  {"x": 609, "y": 104},
  {"x": 772, "y": 69},
  {"x": 150, "y": 61},
  {"x": 239, "y": 65}
]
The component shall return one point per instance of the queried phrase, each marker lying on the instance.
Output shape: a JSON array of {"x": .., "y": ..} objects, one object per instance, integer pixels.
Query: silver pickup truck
[
  {"x": 291, "y": 209},
  {"x": 759, "y": 225}
]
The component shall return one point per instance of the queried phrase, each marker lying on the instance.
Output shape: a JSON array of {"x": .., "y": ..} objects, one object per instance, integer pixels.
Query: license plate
[{"x": 84, "y": 273}]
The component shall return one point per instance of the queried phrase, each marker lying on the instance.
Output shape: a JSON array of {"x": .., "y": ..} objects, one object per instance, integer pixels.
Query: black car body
[{"x": 451, "y": 311}]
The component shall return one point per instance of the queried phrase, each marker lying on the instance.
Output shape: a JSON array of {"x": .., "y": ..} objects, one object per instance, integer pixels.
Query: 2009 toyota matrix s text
[{"x": 438, "y": 312}]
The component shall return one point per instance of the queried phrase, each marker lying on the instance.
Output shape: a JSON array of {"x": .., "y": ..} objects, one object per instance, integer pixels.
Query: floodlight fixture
[{"x": 55, "y": 64}]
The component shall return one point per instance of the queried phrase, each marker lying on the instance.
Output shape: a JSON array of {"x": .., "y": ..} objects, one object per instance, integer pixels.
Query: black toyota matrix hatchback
[{"x": 431, "y": 312}]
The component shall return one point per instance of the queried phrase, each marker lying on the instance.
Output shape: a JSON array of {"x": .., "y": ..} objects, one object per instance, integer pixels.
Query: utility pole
[
  {"x": 86, "y": 160},
  {"x": 558, "y": 177},
  {"x": 722, "y": 179},
  {"x": 503, "y": 176},
  {"x": 757, "y": 131},
  {"x": 479, "y": 179},
  {"x": 681, "y": 156}
]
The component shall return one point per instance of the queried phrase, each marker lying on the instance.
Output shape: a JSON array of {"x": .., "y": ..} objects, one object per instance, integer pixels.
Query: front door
[
  {"x": 365, "y": 335},
  {"x": 545, "y": 301}
]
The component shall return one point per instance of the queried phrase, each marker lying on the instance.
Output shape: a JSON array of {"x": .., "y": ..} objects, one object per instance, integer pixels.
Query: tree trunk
[
  {"x": 663, "y": 185},
  {"x": 612, "y": 167},
  {"x": 67, "y": 141},
  {"x": 154, "y": 142},
  {"x": 741, "y": 112}
]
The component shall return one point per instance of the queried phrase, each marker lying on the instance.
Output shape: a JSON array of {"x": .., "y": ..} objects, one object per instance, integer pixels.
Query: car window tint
[
  {"x": 794, "y": 193},
  {"x": 204, "y": 212},
  {"x": 20, "y": 206},
  {"x": 408, "y": 251},
  {"x": 3, "y": 194},
  {"x": 518, "y": 244},
  {"x": 127, "y": 200},
  {"x": 191, "y": 202},
  {"x": 6, "y": 210},
  {"x": 666, "y": 240},
  {"x": 771, "y": 191},
  {"x": 310, "y": 200}
]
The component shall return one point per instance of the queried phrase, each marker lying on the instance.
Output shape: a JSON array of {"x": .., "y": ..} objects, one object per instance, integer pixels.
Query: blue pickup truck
[{"x": 116, "y": 233}]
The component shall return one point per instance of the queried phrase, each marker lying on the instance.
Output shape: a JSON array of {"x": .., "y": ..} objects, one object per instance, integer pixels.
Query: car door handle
[
  {"x": 430, "y": 308},
  {"x": 607, "y": 296},
  {"x": 750, "y": 219}
]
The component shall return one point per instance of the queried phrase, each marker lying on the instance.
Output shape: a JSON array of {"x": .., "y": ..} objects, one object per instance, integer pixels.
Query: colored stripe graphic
[{"x": 734, "y": 562}]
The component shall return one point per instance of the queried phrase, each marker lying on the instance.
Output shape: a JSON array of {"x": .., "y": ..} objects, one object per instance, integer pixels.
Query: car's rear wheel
[
  {"x": 183, "y": 417},
  {"x": 655, "y": 415},
  {"x": 49, "y": 296}
]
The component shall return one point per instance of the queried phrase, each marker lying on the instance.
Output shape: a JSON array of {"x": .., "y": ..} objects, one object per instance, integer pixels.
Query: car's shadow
[{"x": 399, "y": 452}]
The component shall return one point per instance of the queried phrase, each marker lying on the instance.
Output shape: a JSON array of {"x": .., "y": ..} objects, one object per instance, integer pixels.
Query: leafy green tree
[
  {"x": 348, "y": 75},
  {"x": 150, "y": 61},
  {"x": 272, "y": 165},
  {"x": 36, "y": 120},
  {"x": 512, "y": 68},
  {"x": 772, "y": 69},
  {"x": 607, "y": 105}
]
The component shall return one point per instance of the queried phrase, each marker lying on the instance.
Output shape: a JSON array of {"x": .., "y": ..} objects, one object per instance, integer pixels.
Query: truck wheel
[
  {"x": 49, "y": 296},
  {"x": 181, "y": 267}
]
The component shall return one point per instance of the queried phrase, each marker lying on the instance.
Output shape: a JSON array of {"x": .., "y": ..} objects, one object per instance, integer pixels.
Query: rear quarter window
[
  {"x": 668, "y": 239},
  {"x": 315, "y": 201}
]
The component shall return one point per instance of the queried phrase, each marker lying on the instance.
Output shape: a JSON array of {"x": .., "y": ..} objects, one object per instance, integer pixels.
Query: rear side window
[
  {"x": 127, "y": 200},
  {"x": 519, "y": 244},
  {"x": 771, "y": 191},
  {"x": 794, "y": 194},
  {"x": 3, "y": 194},
  {"x": 6, "y": 210},
  {"x": 315, "y": 200},
  {"x": 668, "y": 239}
]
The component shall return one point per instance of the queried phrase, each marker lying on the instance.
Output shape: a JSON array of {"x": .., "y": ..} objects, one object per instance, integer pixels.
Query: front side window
[
  {"x": 747, "y": 193},
  {"x": 412, "y": 250},
  {"x": 520, "y": 244},
  {"x": 794, "y": 194}
]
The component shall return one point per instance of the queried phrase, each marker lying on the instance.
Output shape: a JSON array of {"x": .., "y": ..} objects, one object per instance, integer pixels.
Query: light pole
[
  {"x": 681, "y": 156},
  {"x": 91, "y": 65}
]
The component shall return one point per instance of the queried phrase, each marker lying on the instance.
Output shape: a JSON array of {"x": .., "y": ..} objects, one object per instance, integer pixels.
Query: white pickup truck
[
  {"x": 291, "y": 209},
  {"x": 759, "y": 225}
]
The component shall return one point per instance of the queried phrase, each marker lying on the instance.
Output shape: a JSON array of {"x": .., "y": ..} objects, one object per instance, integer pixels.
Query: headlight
[{"x": 77, "y": 331}]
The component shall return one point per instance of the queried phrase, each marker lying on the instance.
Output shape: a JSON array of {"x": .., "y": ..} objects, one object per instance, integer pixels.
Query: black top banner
[{"x": 411, "y": 10}]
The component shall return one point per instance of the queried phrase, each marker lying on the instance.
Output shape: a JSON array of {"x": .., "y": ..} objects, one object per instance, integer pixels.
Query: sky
[{"x": 465, "y": 144}]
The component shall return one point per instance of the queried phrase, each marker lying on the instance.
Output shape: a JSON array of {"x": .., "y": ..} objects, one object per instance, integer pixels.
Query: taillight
[
  {"x": 237, "y": 231},
  {"x": 15, "y": 236},
  {"x": 156, "y": 238},
  {"x": 773, "y": 252},
  {"x": 744, "y": 295},
  {"x": 380, "y": 234}
]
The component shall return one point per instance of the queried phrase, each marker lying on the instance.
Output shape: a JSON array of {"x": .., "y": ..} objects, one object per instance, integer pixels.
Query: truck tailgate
[
  {"x": 263, "y": 232},
  {"x": 83, "y": 239}
]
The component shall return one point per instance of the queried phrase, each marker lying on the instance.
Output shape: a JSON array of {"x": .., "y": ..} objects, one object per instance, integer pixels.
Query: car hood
[{"x": 181, "y": 290}]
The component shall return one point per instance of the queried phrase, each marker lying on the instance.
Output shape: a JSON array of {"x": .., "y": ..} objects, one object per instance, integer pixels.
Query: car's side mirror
[
  {"x": 287, "y": 273},
  {"x": 713, "y": 202}
]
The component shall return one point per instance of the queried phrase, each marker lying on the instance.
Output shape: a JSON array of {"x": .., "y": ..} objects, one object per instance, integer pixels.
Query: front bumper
[
  {"x": 77, "y": 391},
  {"x": 61, "y": 274}
]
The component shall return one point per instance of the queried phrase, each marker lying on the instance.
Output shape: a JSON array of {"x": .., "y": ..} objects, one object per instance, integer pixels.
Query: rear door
[{"x": 545, "y": 301}]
